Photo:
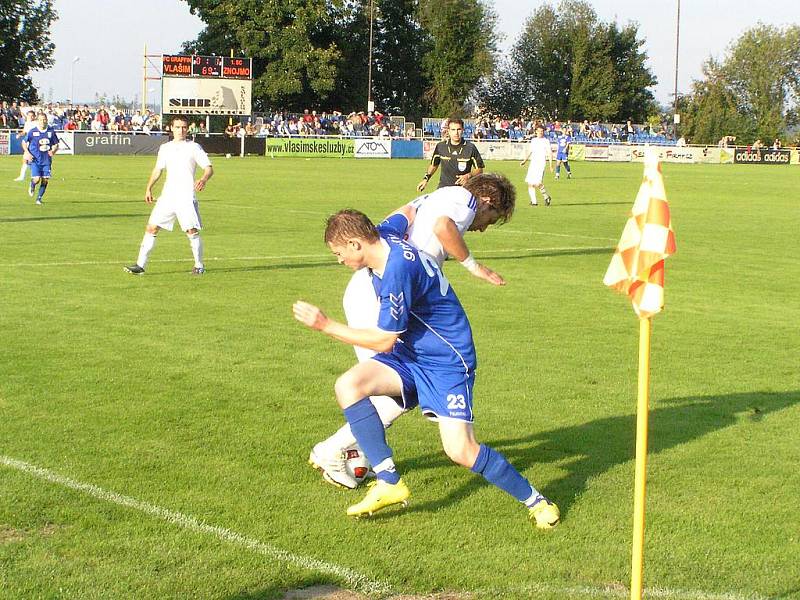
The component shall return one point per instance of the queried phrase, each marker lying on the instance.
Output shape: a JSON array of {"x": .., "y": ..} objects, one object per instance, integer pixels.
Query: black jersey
[{"x": 455, "y": 160}]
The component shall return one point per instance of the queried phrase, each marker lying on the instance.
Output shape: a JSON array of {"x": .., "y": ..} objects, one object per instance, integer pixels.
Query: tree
[
  {"x": 462, "y": 51},
  {"x": 566, "y": 64},
  {"x": 399, "y": 79},
  {"x": 291, "y": 42},
  {"x": 754, "y": 92},
  {"x": 25, "y": 45}
]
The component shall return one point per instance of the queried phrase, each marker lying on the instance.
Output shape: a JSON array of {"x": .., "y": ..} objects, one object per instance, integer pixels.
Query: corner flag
[{"x": 637, "y": 267}]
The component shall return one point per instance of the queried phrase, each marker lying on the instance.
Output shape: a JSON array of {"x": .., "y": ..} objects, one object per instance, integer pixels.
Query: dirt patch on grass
[
  {"x": 10, "y": 535},
  {"x": 330, "y": 592}
]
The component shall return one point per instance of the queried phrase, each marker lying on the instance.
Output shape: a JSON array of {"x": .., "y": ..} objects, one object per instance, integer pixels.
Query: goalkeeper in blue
[{"x": 425, "y": 355}]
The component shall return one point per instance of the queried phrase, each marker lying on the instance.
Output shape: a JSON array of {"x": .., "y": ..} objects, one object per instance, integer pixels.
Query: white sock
[
  {"x": 196, "y": 242},
  {"x": 22, "y": 170},
  {"x": 532, "y": 194},
  {"x": 544, "y": 191},
  {"x": 148, "y": 242},
  {"x": 388, "y": 411}
]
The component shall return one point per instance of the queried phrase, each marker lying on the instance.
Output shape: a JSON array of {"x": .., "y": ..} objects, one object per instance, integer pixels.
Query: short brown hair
[
  {"x": 348, "y": 224},
  {"x": 457, "y": 120},
  {"x": 179, "y": 118},
  {"x": 501, "y": 192}
]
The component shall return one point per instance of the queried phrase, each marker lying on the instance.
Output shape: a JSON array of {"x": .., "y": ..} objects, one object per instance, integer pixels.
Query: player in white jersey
[
  {"x": 30, "y": 123},
  {"x": 437, "y": 223},
  {"x": 539, "y": 153},
  {"x": 180, "y": 158}
]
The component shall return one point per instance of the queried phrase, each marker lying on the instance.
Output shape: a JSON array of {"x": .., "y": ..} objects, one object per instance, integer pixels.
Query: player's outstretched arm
[
  {"x": 453, "y": 243},
  {"x": 428, "y": 174},
  {"x": 148, "y": 193},
  {"x": 200, "y": 184},
  {"x": 373, "y": 339}
]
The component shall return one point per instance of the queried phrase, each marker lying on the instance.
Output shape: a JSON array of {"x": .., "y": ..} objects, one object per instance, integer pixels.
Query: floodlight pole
[
  {"x": 72, "y": 80},
  {"x": 369, "y": 67},
  {"x": 677, "y": 46}
]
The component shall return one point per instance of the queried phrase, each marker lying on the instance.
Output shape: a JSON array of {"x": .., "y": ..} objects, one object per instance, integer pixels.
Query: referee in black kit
[{"x": 459, "y": 158}]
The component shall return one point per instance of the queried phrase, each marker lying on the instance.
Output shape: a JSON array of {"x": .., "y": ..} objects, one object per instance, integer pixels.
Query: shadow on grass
[
  {"x": 68, "y": 217},
  {"x": 556, "y": 203},
  {"x": 211, "y": 270},
  {"x": 548, "y": 253},
  {"x": 588, "y": 450}
]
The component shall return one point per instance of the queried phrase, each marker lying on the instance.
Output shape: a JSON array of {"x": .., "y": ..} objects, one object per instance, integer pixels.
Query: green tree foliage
[
  {"x": 754, "y": 92},
  {"x": 566, "y": 64},
  {"x": 427, "y": 55},
  {"x": 463, "y": 49},
  {"x": 25, "y": 45},
  {"x": 399, "y": 81},
  {"x": 290, "y": 40}
]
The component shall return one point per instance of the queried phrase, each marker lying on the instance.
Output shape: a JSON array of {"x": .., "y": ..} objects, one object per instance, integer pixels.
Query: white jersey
[
  {"x": 180, "y": 159},
  {"x": 540, "y": 149},
  {"x": 453, "y": 202}
]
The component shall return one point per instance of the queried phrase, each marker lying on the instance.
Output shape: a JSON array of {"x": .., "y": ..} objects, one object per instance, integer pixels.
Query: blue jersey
[
  {"x": 417, "y": 302},
  {"x": 40, "y": 143},
  {"x": 562, "y": 153}
]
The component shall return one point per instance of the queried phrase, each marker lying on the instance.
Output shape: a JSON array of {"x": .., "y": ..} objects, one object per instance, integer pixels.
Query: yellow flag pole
[{"x": 642, "y": 410}]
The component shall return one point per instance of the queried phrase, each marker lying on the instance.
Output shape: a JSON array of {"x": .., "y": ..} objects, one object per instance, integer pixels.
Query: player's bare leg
[{"x": 460, "y": 445}]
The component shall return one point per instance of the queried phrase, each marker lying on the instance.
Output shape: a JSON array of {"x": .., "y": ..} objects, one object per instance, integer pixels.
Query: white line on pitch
[
  {"x": 486, "y": 255},
  {"x": 353, "y": 580}
]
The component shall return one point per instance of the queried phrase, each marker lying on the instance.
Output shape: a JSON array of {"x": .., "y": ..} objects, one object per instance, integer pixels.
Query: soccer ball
[{"x": 356, "y": 464}]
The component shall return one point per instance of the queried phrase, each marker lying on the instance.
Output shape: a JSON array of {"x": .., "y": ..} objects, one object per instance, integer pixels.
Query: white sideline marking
[
  {"x": 532, "y": 591},
  {"x": 354, "y": 581},
  {"x": 486, "y": 255}
]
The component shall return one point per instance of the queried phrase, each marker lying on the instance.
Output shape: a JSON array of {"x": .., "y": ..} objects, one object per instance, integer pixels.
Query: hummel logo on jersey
[{"x": 397, "y": 305}]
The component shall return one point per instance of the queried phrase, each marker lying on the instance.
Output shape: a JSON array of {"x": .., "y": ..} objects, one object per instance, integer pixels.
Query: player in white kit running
[
  {"x": 539, "y": 153},
  {"x": 437, "y": 223},
  {"x": 180, "y": 158}
]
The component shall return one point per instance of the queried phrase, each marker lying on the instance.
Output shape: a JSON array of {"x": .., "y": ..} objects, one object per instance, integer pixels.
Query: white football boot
[{"x": 331, "y": 461}]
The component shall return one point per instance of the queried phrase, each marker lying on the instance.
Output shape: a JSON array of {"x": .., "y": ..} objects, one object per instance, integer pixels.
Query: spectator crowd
[{"x": 68, "y": 117}]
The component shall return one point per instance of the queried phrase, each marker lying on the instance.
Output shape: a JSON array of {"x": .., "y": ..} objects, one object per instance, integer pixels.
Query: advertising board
[
  {"x": 205, "y": 96},
  {"x": 764, "y": 156},
  {"x": 310, "y": 148},
  {"x": 373, "y": 147}
]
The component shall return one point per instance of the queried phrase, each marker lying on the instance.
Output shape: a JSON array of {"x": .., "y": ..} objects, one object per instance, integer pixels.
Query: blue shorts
[
  {"x": 39, "y": 169},
  {"x": 562, "y": 157},
  {"x": 446, "y": 394}
]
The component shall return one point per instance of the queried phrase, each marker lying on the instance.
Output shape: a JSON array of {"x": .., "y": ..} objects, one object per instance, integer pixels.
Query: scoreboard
[{"x": 224, "y": 67}]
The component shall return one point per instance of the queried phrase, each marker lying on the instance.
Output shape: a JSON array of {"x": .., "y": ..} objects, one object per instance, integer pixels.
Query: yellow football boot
[
  {"x": 380, "y": 495},
  {"x": 544, "y": 514}
]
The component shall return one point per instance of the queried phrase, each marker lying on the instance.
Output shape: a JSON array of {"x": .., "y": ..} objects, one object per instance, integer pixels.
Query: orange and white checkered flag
[{"x": 637, "y": 267}]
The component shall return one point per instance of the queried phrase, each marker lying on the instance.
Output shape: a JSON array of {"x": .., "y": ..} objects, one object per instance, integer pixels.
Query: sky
[{"x": 108, "y": 37}]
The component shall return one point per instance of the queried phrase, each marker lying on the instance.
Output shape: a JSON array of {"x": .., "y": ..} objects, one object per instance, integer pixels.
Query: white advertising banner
[
  {"x": 5, "y": 142},
  {"x": 596, "y": 153},
  {"x": 619, "y": 153},
  {"x": 373, "y": 147},
  {"x": 203, "y": 96},
  {"x": 674, "y": 154},
  {"x": 66, "y": 142}
]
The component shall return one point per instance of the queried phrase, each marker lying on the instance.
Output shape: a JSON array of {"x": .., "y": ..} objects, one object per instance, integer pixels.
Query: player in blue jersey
[
  {"x": 563, "y": 143},
  {"x": 425, "y": 355},
  {"x": 562, "y": 155},
  {"x": 40, "y": 145}
]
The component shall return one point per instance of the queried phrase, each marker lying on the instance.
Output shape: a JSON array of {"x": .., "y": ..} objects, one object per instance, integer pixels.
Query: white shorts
[
  {"x": 361, "y": 307},
  {"x": 185, "y": 210},
  {"x": 535, "y": 173}
]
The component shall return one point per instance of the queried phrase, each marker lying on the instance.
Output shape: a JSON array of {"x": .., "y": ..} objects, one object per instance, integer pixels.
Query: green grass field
[{"x": 154, "y": 430}]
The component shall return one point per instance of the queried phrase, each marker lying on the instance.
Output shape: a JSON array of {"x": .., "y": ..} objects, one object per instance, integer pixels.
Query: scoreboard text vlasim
[{"x": 225, "y": 67}]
